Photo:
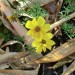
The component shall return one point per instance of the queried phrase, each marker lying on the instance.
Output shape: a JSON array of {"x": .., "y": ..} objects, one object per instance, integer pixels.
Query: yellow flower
[
  {"x": 37, "y": 27},
  {"x": 43, "y": 43},
  {"x": 12, "y": 18}
]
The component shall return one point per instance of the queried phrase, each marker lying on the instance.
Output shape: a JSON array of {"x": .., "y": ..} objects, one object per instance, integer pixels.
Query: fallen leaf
[
  {"x": 62, "y": 62},
  {"x": 70, "y": 69},
  {"x": 11, "y": 43}
]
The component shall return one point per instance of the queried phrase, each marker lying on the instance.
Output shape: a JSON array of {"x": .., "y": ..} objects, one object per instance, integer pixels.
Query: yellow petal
[
  {"x": 44, "y": 48},
  {"x": 41, "y": 21},
  {"x": 46, "y": 27},
  {"x": 35, "y": 44},
  {"x": 38, "y": 36},
  {"x": 28, "y": 25},
  {"x": 49, "y": 47},
  {"x": 34, "y": 22},
  {"x": 39, "y": 50},
  {"x": 30, "y": 32},
  {"x": 51, "y": 42},
  {"x": 49, "y": 36},
  {"x": 31, "y": 24}
]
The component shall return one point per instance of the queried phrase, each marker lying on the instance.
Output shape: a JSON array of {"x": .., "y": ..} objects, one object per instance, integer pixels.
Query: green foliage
[
  {"x": 23, "y": 19},
  {"x": 67, "y": 8},
  {"x": 69, "y": 29},
  {"x": 7, "y": 35},
  {"x": 36, "y": 10},
  {"x": 29, "y": 48},
  {"x": 18, "y": 38},
  {"x": 4, "y": 34}
]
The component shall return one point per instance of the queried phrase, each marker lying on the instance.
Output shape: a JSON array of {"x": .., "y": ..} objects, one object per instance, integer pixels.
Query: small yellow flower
[
  {"x": 43, "y": 43},
  {"x": 37, "y": 27},
  {"x": 12, "y": 18}
]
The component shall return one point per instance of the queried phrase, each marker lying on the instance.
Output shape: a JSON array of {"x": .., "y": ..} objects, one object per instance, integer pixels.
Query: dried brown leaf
[
  {"x": 2, "y": 74},
  {"x": 62, "y": 62},
  {"x": 19, "y": 72},
  {"x": 13, "y": 42},
  {"x": 12, "y": 57},
  {"x": 70, "y": 69},
  {"x": 72, "y": 56}
]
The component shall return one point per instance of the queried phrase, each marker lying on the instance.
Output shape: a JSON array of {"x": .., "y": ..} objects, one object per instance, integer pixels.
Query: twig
[
  {"x": 58, "y": 23},
  {"x": 12, "y": 57},
  {"x": 2, "y": 74},
  {"x": 19, "y": 72}
]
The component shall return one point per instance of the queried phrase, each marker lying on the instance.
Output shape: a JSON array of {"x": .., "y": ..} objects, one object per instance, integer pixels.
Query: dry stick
[
  {"x": 2, "y": 74},
  {"x": 12, "y": 57},
  {"x": 19, "y": 72},
  {"x": 42, "y": 2},
  {"x": 58, "y": 23},
  {"x": 5, "y": 57}
]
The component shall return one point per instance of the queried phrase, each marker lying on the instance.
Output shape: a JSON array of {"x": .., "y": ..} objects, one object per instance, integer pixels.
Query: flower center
[
  {"x": 43, "y": 42},
  {"x": 37, "y": 29}
]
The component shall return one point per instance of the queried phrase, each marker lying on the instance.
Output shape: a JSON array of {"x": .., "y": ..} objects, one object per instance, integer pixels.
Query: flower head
[
  {"x": 43, "y": 43},
  {"x": 39, "y": 31},
  {"x": 37, "y": 27}
]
